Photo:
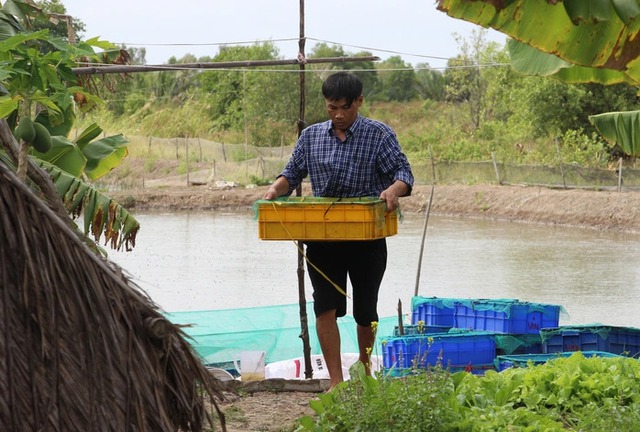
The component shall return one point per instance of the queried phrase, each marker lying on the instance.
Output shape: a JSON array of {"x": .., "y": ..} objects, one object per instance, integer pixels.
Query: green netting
[
  {"x": 596, "y": 328},
  {"x": 504, "y": 305},
  {"x": 218, "y": 336},
  {"x": 510, "y": 343},
  {"x": 437, "y": 302},
  {"x": 453, "y": 333}
]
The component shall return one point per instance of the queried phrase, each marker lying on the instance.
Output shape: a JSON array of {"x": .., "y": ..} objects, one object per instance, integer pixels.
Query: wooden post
[
  {"x": 187, "y": 157},
  {"x": 304, "y": 333},
  {"x": 400, "y": 323},
  {"x": 495, "y": 167},
  {"x": 433, "y": 165},
  {"x": 620, "y": 175},
  {"x": 564, "y": 180}
]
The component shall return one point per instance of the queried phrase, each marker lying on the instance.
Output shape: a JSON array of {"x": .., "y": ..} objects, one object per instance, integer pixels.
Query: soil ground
[
  {"x": 277, "y": 411},
  {"x": 603, "y": 210}
]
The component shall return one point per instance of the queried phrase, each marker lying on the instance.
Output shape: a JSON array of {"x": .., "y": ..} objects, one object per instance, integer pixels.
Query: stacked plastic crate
[
  {"x": 623, "y": 341},
  {"x": 480, "y": 330}
]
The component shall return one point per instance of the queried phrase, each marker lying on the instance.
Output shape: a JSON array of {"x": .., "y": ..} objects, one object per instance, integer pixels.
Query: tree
[
  {"x": 39, "y": 86},
  {"x": 430, "y": 83},
  {"x": 57, "y": 24},
  {"x": 583, "y": 41},
  {"x": 397, "y": 81},
  {"x": 226, "y": 90},
  {"x": 469, "y": 75},
  {"x": 365, "y": 70}
]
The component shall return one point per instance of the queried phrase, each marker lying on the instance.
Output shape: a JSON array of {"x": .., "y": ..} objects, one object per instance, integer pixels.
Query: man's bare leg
[
  {"x": 366, "y": 339},
  {"x": 329, "y": 337}
]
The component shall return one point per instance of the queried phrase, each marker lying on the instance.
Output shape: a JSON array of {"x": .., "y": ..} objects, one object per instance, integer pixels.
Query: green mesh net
[
  {"x": 218, "y": 336},
  {"x": 509, "y": 344}
]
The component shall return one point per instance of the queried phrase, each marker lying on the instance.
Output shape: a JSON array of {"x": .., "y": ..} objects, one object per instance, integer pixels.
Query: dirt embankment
[{"x": 605, "y": 210}]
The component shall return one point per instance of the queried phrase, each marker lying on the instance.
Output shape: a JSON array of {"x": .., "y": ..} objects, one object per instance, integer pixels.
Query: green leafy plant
[
  {"x": 37, "y": 85},
  {"x": 567, "y": 393}
]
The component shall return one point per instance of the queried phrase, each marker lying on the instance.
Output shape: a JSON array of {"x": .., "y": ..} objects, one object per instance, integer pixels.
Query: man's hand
[
  {"x": 392, "y": 193},
  {"x": 279, "y": 187}
]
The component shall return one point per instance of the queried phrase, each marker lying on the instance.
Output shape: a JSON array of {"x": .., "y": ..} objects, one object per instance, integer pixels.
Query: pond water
[{"x": 213, "y": 260}]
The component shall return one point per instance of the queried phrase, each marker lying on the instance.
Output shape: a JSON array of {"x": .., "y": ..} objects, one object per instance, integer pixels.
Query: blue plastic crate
[
  {"x": 459, "y": 351},
  {"x": 433, "y": 311},
  {"x": 506, "y": 316},
  {"x": 592, "y": 337},
  {"x": 414, "y": 329},
  {"x": 523, "y": 360}
]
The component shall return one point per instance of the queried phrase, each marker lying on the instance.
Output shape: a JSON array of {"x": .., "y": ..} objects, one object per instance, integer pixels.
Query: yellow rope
[{"x": 335, "y": 285}]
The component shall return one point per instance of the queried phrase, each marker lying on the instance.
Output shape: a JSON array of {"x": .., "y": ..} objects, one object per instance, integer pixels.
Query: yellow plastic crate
[{"x": 314, "y": 218}]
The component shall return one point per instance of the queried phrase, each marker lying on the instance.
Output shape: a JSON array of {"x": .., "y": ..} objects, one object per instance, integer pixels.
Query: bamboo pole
[{"x": 110, "y": 69}]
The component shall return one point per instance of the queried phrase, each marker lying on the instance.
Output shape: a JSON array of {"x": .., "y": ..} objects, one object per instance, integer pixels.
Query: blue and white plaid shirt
[{"x": 365, "y": 164}]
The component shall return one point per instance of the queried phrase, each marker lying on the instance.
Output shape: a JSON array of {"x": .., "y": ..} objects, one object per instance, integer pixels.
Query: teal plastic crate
[
  {"x": 523, "y": 360},
  {"x": 592, "y": 337},
  {"x": 414, "y": 329},
  {"x": 457, "y": 351},
  {"x": 506, "y": 316}
]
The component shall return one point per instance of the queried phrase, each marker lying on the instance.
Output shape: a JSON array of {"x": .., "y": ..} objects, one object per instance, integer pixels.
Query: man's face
[{"x": 341, "y": 113}]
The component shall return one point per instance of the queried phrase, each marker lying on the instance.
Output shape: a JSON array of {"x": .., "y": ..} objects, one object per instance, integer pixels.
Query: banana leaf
[
  {"x": 103, "y": 217},
  {"x": 620, "y": 128},
  {"x": 593, "y": 34}
]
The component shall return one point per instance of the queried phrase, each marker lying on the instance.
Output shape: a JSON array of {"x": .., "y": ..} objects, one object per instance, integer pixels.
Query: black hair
[{"x": 342, "y": 85}]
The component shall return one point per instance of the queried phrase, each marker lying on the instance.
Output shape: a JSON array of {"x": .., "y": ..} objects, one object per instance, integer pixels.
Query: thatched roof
[{"x": 81, "y": 347}]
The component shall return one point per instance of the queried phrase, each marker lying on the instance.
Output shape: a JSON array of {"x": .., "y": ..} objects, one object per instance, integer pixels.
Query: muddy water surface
[{"x": 200, "y": 261}]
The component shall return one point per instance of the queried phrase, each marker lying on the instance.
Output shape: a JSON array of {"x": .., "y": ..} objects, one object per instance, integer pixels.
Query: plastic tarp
[{"x": 219, "y": 336}]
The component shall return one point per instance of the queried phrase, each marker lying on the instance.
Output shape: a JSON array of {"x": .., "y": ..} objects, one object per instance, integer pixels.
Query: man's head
[
  {"x": 342, "y": 85},
  {"x": 343, "y": 95}
]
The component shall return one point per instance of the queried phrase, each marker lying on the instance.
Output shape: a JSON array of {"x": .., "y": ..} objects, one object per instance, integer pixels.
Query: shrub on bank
[{"x": 572, "y": 393}]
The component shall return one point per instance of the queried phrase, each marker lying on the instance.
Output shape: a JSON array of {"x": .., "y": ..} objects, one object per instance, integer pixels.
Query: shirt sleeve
[
  {"x": 296, "y": 169},
  {"x": 393, "y": 163}
]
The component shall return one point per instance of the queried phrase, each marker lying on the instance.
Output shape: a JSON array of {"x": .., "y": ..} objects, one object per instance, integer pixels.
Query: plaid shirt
[{"x": 365, "y": 164}]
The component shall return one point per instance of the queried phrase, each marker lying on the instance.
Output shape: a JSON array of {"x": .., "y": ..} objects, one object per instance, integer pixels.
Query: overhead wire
[{"x": 388, "y": 51}]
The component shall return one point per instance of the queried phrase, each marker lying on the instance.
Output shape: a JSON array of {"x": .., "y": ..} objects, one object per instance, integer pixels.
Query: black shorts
[{"x": 363, "y": 261}]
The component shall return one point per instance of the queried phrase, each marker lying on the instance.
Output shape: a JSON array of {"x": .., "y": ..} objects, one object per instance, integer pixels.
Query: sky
[{"x": 413, "y": 29}]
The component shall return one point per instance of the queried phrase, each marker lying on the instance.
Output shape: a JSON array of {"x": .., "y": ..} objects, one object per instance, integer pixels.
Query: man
[{"x": 347, "y": 156}]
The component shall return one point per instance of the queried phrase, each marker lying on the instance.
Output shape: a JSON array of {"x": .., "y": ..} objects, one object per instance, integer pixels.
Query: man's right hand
[{"x": 279, "y": 187}]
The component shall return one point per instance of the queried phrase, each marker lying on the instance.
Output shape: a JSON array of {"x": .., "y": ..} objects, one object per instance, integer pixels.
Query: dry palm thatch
[{"x": 82, "y": 348}]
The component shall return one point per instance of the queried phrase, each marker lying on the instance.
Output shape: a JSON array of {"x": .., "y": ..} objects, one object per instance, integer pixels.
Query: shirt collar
[{"x": 350, "y": 131}]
